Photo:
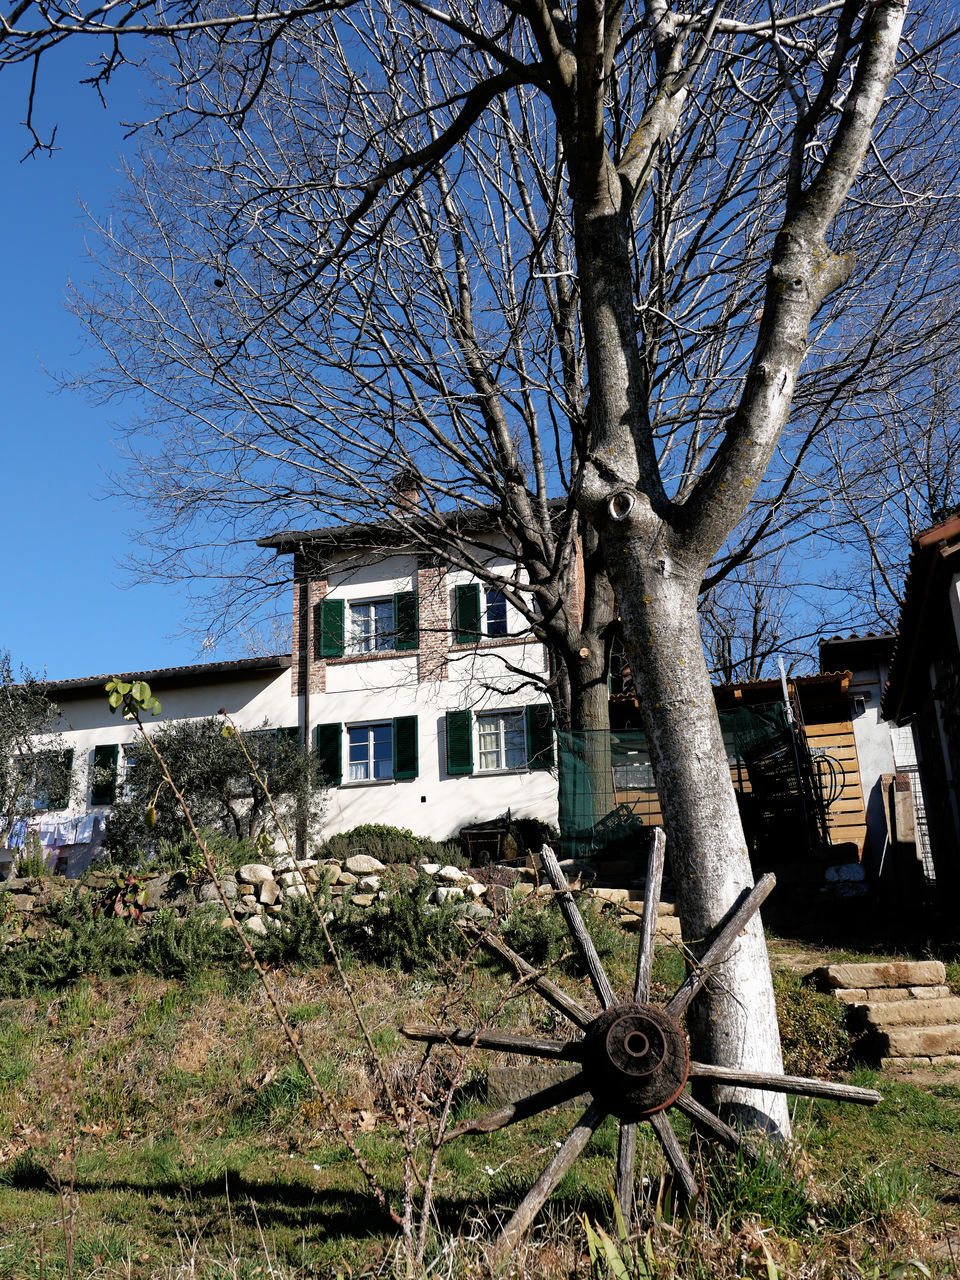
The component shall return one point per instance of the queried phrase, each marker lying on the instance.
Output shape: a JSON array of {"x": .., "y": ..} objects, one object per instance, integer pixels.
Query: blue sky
[{"x": 66, "y": 611}]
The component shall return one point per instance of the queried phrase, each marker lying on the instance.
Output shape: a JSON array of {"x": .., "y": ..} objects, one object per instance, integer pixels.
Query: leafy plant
[
  {"x": 224, "y": 781},
  {"x": 403, "y": 930},
  {"x": 126, "y": 898},
  {"x": 813, "y": 1026},
  {"x": 391, "y": 845},
  {"x": 31, "y": 861}
]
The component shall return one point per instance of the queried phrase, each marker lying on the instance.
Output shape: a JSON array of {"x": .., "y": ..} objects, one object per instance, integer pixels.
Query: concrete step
[
  {"x": 918, "y": 1042},
  {"x": 907, "y": 1013},
  {"x": 891, "y": 973}
]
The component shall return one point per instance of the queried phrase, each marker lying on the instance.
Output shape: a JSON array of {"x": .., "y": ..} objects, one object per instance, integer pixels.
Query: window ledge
[
  {"x": 500, "y": 773},
  {"x": 376, "y": 656},
  {"x": 367, "y": 782},
  {"x": 493, "y": 642}
]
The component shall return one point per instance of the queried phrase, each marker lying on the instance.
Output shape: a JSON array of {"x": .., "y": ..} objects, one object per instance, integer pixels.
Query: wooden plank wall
[{"x": 846, "y": 819}]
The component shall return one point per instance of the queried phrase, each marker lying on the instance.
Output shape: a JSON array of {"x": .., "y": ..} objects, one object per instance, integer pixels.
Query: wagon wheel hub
[{"x": 636, "y": 1060}]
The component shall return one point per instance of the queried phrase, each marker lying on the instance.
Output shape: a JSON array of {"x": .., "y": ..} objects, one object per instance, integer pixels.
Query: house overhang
[{"x": 934, "y": 561}]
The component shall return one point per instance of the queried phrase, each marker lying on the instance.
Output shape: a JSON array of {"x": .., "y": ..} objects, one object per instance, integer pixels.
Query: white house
[{"x": 416, "y": 685}]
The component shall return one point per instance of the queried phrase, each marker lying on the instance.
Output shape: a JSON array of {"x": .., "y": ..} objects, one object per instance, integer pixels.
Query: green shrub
[
  {"x": 171, "y": 948},
  {"x": 299, "y": 940},
  {"x": 533, "y": 833},
  {"x": 536, "y": 929},
  {"x": 392, "y": 845},
  {"x": 81, "y": 943},
  {"x": 404, "y": 930},
  {"x": 813, "y": 1026}
]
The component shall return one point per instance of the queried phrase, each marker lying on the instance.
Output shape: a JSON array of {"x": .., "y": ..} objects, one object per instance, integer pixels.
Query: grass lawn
[{"x": 160, "y": 1127}]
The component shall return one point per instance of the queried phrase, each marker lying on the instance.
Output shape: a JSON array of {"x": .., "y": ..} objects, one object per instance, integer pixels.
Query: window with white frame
[
  {"x": 495, "y": 614},
  {"x": 502, "y": 740},
  {"x": 372, "y": 628},
  {"x": 370, "y": 749}
]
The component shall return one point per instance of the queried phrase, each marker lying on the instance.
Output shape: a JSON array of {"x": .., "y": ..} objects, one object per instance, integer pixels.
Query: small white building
[{"x": 93, "y": 742}]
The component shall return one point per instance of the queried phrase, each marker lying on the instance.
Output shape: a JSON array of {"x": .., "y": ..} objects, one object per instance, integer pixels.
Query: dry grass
[{"x": 173, "y": 1117}]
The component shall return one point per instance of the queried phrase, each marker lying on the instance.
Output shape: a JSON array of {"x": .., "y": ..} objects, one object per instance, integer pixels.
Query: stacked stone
[{"x": 904, "y": 1010}]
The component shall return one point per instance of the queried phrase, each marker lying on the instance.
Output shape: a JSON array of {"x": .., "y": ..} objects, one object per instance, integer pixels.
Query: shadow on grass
[{"x": 295, "y": 1204}]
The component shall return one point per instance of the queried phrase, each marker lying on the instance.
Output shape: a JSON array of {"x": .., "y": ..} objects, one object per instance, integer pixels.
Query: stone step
[
  {"x": 668, "y": 927},
  {"x": 919, "y": 1042},
  {"x": 907, "y": 1013},
  {"x": 877, "y": 995},
  {"x": 888, "y": 973}
]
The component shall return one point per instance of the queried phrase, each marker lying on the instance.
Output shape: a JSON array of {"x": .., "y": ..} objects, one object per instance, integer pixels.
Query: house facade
[
  {"x": 90, "y": 745},
  {"x": 420, "y": 687}
]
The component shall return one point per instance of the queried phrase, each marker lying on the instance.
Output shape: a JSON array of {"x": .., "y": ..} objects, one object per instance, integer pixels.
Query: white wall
[{"x": 380, "y": 687}]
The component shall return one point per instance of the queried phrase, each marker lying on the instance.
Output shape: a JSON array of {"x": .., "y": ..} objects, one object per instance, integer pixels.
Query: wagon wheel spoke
[
  {"x": 626, "y": 1160},
  {"x": 533, "y": 1201},
  {"x": 717, "y": 952},
  {"x": 553, "y": 994},
  {"x": 553, "y": 1096},
  {"x": 677, "y": 1161},
  {"x": 651, "y": 908},
  {"x": 713, "y": 1127},
  {"x": 504, "y": 1041},
  {"x": 578, "y": 930},
  {"x": 785, "y": 1084}
]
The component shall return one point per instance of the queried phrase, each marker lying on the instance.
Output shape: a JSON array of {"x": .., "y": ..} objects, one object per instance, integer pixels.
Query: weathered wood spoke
[
  {"x": 578, "y": 930},
  {"x": 553, "y": 994},
  {"x": 651, "y": 909},
  {"x": 505, "y": 1041},
  {"x": 713, "y": 1127},
  {"x": 536, "y": 1197},
  {"x": 532, "y": 1105},
  {"x": 626, "y": 1163},
  {"x": 786, "y": 1084},
  {"x": 686, "y": 1182},
  {"x": 633, "y": 1058},
  {"x": 721, "y": 945}
]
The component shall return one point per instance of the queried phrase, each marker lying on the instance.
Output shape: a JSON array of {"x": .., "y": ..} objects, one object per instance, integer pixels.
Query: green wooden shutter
[
  {"x": 405, "y": 621},
  {"x": 104, "y": 788},
  {"x": 405, "y": 747},
  {"x": 328, "y": 637},
  {"x": 329, "y": 756},
  {"x": 459, "y": 742},
  {"x": 466, "y": 613},
  {"x": 539, "y": 724},
  {"x": 58, "y": 791}
]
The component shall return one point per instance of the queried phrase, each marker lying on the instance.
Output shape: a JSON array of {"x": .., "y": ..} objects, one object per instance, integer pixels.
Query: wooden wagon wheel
[{"x": 633, "y": 1056}]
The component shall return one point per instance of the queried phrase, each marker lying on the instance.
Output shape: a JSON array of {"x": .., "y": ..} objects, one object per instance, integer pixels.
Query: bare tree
[{"x": 688, "y": 231}]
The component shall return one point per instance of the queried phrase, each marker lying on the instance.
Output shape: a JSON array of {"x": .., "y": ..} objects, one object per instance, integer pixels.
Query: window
[
  {"x": 46, "y": 778},
  {"x": 502, "y": 740},
  {"x": 374, "y": 751},
  {"x": 375, "y": 626},
  {"x": 495, "y": 619},
  {"x": 505, "y": 740},
  {"x": 371, "y": 626},
  {"x": 370, "y": 752},
  {"x": 471, "y": 623}
]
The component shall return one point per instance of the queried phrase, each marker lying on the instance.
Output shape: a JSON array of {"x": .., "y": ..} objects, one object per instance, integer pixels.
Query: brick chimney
[{"x": 406, "y": 493}]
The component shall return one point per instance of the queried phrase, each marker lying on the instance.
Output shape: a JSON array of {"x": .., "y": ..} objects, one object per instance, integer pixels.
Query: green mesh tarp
[{"x": 607, "y": 788}]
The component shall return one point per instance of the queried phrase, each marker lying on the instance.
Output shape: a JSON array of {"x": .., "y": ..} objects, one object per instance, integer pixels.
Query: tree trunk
[{"x": 735, "y": 1022}]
